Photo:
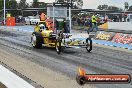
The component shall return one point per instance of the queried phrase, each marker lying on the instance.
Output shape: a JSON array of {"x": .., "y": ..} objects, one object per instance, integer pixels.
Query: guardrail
[
  {"x": 117, "y": 26},
  {"x": 122, "y": 40}
]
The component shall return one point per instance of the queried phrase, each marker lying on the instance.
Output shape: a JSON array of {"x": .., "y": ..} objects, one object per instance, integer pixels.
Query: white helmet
[{"x": 42, "y": 26}]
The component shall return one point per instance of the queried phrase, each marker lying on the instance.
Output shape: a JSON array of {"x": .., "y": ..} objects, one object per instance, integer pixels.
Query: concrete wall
[{"x": 120, "y": 25}]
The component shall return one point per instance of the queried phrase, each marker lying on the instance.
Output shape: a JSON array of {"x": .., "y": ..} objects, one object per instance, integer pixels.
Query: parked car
[
  {"x": 31, "y": 20},
  {"x": 129, "y": 18}
]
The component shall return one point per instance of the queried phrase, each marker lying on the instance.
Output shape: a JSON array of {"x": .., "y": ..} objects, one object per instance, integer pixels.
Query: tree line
[
  {"x": 13, "y": 4},
  {"x": 115, "y": 8}
]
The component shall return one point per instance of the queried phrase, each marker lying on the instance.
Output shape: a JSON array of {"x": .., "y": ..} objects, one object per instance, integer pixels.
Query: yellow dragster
[{"x": 42, "y": 35}]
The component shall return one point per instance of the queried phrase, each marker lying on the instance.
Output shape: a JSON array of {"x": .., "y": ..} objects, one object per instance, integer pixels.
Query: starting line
[{"x": 11, "y": 80}]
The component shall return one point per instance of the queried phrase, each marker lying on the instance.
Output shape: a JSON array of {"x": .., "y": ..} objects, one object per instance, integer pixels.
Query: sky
[{"x": 93, "y": 4}]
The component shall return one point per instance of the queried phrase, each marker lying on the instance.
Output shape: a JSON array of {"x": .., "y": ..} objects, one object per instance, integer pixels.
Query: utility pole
[
  {"x": 70, "y": 16},
  {"x": 126, "y": 6},
  {"x": 4, "y": 12}
]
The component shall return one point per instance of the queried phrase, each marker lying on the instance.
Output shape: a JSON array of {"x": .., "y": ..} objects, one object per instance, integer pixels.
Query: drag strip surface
[{"x": 99, "y": 61}]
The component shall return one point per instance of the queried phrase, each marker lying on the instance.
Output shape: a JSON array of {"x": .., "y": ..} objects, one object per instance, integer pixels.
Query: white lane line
[{"x": 11, "y": 80}]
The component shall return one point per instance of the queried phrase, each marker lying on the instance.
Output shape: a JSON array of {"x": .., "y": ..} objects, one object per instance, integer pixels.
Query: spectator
[
  {"x": 78, "y": 21},
  {"x": 90, "y": 29},
  {"x": 115, "y": 18},
  {"x": 20, "y": 18},
  {"x": 105, "y": 18},
  {"x": 82, "y": 21},
  {"x": 120, "y": 18},
  {"x": 73, "y": 20},
  {"x": 94, "y": 22},
  {"x": 87, "y": 21},
  {"x": 66, "y": 26}
]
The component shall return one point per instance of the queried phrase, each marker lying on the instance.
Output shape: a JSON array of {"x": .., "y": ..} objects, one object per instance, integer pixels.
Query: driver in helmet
[{"x": 42, "y": 26}]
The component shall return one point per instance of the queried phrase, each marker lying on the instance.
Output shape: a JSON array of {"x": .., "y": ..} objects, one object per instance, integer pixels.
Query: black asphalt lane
[{"x": 99, "y": 61}]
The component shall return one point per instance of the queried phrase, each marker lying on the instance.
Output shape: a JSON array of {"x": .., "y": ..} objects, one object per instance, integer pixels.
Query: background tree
[
  {"x": 35, "y": 4},
  {"x": 23, "y": 4},
  {"x": 12, "y": 4},
  {"x": 106, "y": 7},
  {"x": 79, "y": 3},
  {"x": 76, "y": 3},
  {"x": 126, "y": 6},
  {"x": 41, "y": 5},
  {"x": 102, "y": 7},
  {"x": 130, "y": 8},
  {"x": 2, "y": 4},
  {"x": 114, "y": 8},
  {"x": 59, "y": 1}
]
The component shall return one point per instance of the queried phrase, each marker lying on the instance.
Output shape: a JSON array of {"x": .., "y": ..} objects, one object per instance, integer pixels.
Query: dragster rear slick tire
[{"x": 58, "y": 46}]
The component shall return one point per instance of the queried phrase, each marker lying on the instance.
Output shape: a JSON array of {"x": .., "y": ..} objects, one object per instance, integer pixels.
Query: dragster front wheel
[
  {"x": 88, "y": 44},
  {"x": 58, "y": 46},
  {"x": 36, "y": 40}
]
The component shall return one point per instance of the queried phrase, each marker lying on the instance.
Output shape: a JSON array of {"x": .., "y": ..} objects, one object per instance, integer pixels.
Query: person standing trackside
[
  {"x": 42, "y": 17},
  {"x": 94, "y": 22}
]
